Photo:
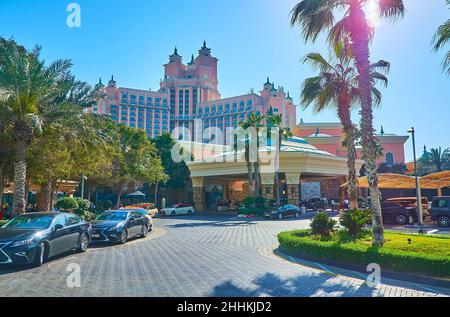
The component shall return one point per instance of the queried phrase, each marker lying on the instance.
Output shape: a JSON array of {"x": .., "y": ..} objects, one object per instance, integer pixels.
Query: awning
[
  {"x": 397, "y": 181},
  {"x": 136, "y": 194}
]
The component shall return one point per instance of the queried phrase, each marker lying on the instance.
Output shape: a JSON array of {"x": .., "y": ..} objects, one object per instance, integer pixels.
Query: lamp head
[{"x": 411, "y": 130}]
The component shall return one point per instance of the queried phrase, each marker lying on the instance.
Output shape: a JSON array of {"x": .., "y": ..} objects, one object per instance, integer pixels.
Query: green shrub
[
  {"x": 2, "y": 222},
  {"x": 323, "y": 224},
  {"x": 425, "y": 255},
  {"x": 83, "y": 204},
  {"x": 66, "y": 204},
  {"x": 354, "y": 220},
  {"x": 245, "y": 211},
  {"x": 86, "y": 215},
  {"x": 249, "y": 201},
  {"x": 260, "y": 202}
]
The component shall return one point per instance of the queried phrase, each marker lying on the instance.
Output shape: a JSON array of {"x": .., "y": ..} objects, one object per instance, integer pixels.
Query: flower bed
[{"x": 428, "y": 255}]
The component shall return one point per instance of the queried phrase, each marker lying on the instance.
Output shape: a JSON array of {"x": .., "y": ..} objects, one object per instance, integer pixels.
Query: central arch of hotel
[{"x": 305, "y": 172}]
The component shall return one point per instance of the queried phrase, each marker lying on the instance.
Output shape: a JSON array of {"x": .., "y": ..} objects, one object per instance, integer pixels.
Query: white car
[{"x": 178, "y": 209}]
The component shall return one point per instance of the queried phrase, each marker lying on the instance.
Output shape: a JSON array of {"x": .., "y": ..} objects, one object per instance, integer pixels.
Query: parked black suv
[
  {"x": 317, "y": 204},
  {"x": 440, "y": 211},
  {"x": 398, "y": 213}
]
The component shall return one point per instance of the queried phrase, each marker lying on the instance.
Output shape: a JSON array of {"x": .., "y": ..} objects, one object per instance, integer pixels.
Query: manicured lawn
[{"x": 429, "y": 255}]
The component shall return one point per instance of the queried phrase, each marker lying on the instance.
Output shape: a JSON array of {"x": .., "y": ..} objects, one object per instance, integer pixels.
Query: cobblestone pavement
[{"x": 199, "y": 256}]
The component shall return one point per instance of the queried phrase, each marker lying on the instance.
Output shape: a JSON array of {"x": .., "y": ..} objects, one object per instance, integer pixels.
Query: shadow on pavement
[{"x": 272, "y": 285}]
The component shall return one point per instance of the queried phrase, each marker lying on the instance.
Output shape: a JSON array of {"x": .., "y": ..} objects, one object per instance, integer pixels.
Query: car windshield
[
  {"x": 113, "y": 216},
  {"x": 38, "y": 222}
]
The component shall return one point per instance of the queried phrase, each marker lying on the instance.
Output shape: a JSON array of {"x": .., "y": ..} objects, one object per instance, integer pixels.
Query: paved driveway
[{"x": 198, "y": 256}]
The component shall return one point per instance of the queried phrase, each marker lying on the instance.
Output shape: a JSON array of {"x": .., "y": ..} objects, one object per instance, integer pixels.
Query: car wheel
[
  {"x": 144, "y": 231},
  {"x": 444, "y": 221},
  {"x": 173, "y": 213},
  {"x": 190, "y": 212},
  {"x": 84, "y": 243},
  {"x": 401, "y": 219},
  {"x": 280, "y": 216},
  {"x": 40, "y": 255},
  {"x": 123, "y": 236}
]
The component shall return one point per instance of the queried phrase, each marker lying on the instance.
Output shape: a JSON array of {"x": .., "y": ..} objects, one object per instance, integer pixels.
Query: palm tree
[
  {"x": 434, "y": 161},
  {"x": 256, "y": 122},
  {"x": 336, "y": 87},
  {"x": 441, "y": 38},
  {"x": 315, "y": 16},
  {"x": 276, "y": 121},
  {"x": 244, "y": 125},
  {"x": 26, "y": 87}
]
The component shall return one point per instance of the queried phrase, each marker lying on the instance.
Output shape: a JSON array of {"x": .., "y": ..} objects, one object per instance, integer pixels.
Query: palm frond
[
  {"x": 391, "y": 9},
  {"x": 317, "y": 61}
]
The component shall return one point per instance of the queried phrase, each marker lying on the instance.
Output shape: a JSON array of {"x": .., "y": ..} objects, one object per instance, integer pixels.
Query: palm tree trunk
[
  {"x": 351, "y": 159},
  {"x": 257, "y": 179},
  {"x": 156, "y": 193},
  {"x": 119, "y": 196},
  {"x": 349, "y": 129},
  {"x": 44, "y": 197},
  {"x": 250, "y": 178},
  {"x": 359, "y": 32},
  {"x": 20, "y": 172}
]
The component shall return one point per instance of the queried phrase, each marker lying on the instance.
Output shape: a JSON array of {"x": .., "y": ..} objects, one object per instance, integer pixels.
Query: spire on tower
[
  {"x": 175, "y": 56},
  {"x": 382, "y": 131},
  {"x": 204, "y": 51},
  {"x": 192, "y": 62},
  {"x": 112, "y": 82}
]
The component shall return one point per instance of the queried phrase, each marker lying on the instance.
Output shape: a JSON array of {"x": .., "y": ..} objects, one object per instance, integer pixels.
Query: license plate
[{"x": 95, "y": 236}]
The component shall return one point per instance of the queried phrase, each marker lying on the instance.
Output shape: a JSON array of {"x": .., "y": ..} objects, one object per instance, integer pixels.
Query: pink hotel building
[{"x": 189, "y": 92}]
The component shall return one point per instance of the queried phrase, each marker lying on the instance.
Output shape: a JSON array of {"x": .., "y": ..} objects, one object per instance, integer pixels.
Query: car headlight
[{"x": 22, "y": 242}]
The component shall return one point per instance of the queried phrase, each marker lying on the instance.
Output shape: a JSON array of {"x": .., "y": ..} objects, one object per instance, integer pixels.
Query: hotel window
[
  {"x": 249, "y": 105},
  {"x": 389, "y": 159},
  {"x": 227, "y": 108},
  {"x": 241, "y": 106},
  {"x": 234, "y": 107},
  {"x": 220, "y": 109},
  {"x": 195, "y": 100},
  {"x": 213, "y": 109},
  {"x": 133, "y": 100},
  {"x": 141, "y": 100}
]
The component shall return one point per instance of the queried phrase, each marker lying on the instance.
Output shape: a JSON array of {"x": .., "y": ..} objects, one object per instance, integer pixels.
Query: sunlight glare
[{"x": 372, "y": 13}]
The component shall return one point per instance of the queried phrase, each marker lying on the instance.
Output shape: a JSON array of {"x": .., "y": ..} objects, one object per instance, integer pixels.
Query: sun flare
[{"x": 372, "y": 13}]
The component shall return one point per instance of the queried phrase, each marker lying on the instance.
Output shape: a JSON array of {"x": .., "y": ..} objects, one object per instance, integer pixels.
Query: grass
[
  {"x": 428, "y": 255},
  {"x": 2, "y": 222}
]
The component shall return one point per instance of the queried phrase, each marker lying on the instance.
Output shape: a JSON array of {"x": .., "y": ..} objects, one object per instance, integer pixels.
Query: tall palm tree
[
  {"x": 275, "y": 121},
  {"x": 244, "y": 125},
  {"x": 26, "y": 87},
  {"x": 434, "y": 161},
  {"x": 256, "y": 122},
  {"x": 336, "y": 87},
  {"x": 440, "y": 39},
  {"x": 316, "y": 16}
]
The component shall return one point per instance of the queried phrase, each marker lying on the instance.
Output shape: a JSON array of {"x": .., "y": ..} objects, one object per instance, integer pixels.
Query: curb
[{"x": 403, "y": 276}]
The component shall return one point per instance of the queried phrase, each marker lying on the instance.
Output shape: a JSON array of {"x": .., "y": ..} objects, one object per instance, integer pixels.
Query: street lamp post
[
  {"x": 83, "y": 178},
  {"x": 412, "y": 131}
]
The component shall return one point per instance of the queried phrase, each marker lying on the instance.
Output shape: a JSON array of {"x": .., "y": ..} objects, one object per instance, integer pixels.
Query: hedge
[{"x": 433, "y": 262}]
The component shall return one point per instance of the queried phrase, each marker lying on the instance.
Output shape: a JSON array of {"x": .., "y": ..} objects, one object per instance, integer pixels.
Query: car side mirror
[{"x": 58, "y": 227}]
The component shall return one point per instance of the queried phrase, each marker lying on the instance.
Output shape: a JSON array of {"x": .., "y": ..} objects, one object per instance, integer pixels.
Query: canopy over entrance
[{"x": 435, "y": 181}]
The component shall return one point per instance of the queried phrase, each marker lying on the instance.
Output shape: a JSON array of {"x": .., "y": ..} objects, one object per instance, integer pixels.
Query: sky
[{"x": 252, "y": 39}]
